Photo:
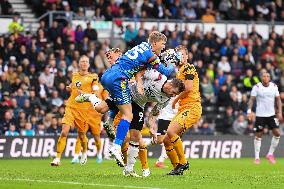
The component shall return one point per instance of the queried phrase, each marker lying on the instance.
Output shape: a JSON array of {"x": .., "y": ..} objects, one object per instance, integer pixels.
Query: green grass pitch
[{"x": 203, "y": 173}]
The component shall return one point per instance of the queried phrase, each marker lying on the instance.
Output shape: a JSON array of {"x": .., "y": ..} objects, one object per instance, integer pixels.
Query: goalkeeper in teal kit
[{"x": 115, "y": 81}]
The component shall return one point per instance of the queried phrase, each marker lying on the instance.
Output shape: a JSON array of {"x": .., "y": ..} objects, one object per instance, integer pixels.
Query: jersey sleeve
[
  {"x": 189, "y": 72},
  {"x": 254, "y": 91},
  {"x": 152, "y": 74}
]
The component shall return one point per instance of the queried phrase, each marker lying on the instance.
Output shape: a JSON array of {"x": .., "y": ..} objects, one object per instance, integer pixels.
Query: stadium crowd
[
  {"x": 206, "y": 10},
  {"x": 36, "y": 68}
]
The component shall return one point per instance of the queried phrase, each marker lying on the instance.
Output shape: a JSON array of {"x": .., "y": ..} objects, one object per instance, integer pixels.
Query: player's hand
[
  {"x": 280, "y": 116},
  {"x": 154, "y": 137},
  {"x": 249, "y": 115},
  {"x": 140, "y": 88}
]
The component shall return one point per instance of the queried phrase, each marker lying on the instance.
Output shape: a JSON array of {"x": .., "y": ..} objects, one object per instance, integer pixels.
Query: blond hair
[
  {"x": 156, "y": 36},
  {"x": 180, "y": 48}
]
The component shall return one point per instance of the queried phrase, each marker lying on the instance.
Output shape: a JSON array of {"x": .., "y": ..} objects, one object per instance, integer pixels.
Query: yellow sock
[
  {"x": 98, "y": 145},
  {"x": 143, "y": 156},
  {"x": 177, "y": 143},
  {"x": 124, "y": 150},
  {"x": 61, "y": 143},
  {"x": 84, "y": 144},
  {"x": 78, "y": 146},
  {"x": 172, "y": 155}
]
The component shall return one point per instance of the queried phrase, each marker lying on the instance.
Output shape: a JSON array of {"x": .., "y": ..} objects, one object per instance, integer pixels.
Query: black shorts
[
  {"x": 269, "y": 122},
  {"x": 138, "y": 114},
  {"x": 138, "y": 117},
  {"x": 163, "y": 126}
]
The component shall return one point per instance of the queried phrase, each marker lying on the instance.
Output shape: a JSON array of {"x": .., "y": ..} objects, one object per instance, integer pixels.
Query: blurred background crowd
[{"x": 35, "y": 68}]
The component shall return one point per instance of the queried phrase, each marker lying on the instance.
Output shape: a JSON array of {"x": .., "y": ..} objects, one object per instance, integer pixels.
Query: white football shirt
[
  {"x": 168, "y": 113},
  {"x": 265, "y": 99}
]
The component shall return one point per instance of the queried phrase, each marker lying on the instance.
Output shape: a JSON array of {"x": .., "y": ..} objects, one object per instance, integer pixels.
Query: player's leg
[
  {"x": 77, "y": 151},
  {"x": 259, "y": 124},
  {"x": 274, "y": 126},
  {"x": 95, "y": 128},
  {"x": 162, "y": 128},
  {"x": 121, "y": 131},
  {"x": 182, "y": 121},
  {"x": 124, "y": 148},
  {"x": 84, "y": 144},
  {"x": 133, "y": 151},
  {"x": 135, "y": 138},
  {"x": 61, "y": 143},
  {"x": 163, "y": 156},
  {"x": 143, "y": 156}
]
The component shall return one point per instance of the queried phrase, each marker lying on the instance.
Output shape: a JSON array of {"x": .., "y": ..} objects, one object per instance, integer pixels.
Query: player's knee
[
  {"x": 167, "y": 141},
  {"x": 81, "y": 135},
  {"x": 65, "y": 131}
]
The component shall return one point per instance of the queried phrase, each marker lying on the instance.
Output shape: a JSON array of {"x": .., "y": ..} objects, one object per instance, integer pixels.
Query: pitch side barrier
[{"x": 197, "y": 146}]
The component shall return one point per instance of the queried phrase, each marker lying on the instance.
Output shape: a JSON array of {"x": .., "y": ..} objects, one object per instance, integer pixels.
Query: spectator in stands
[
  {"x": 205, "y": 129},
  {"x": 223, "y": 96},
  {"x": 130, "y": 35},
  {"x": 53, "y": 129},
  {"x": 79, "y": 34},
  {"x": 91, "y": 33},
  {"x": 189, "y": 12},
  {"x": 40, "y": 129},
  {"x": 55, "y": 99},
  {"x": 249, "y": 80},
  {"x": 207, "y": 89},
  {"x": 69, "y": 33},
  {"x": 46, "y": 77},
  {"x": 12, "y": 131},
  {"x": 140, "y": 37},
  {"x": 240, "y": 125},
  {"x": 28, "y": 131},
  {"x": 6, "y": 121},
  {"x": 224, "y": 65},
  {"x": 15, "y": 27},
  {"x": 208, "y": 17},
  {"x": 101, "y": 62}
]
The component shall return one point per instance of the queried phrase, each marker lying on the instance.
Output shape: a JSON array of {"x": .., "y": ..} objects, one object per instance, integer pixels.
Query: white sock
[
  {"x": 99, "y": 155},
  {"x": 273, "y": 145},
  {"x": 76, "y": 156},
  {"x": 94, "y": 100},
  {"x": 163, "y": 155},
  {"x": 132, "y": 154},
  {"x": 257, "y": 145}
]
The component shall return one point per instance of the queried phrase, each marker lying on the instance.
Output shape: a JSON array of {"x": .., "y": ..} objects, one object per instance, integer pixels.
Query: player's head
[
  {"x": 157, "y": 41},
  {"x": 84, "y": 63},
  {"x": 265, "y": 77},
  {"x": 173, "y": 87},
  {"x": 184, "y": 52},
  {"x": 113, "y": 54}
]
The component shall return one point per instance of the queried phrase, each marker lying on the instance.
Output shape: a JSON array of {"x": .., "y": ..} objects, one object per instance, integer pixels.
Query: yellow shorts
[
  {"x": 94, "y": 122},
  {"x": 77, "y": 118},
  {"x": 187, "y": 116}
]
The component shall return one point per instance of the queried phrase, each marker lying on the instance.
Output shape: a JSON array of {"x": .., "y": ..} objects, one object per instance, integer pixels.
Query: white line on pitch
[{"x": 76, "y": 183}]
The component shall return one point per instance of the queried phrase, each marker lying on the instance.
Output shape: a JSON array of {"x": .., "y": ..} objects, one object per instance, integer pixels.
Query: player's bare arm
[
  {"x": 279, "y": 108},
  {"x": 188, "y": 87},
  {"x": 250, "y": 104}
]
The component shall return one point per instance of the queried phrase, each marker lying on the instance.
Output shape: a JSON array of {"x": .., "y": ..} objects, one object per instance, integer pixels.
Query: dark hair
[{"x": 177, "y": 83}]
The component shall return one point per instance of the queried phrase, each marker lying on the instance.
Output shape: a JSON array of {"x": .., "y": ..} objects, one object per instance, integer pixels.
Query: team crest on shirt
[{"x": 78, "y": 84}]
